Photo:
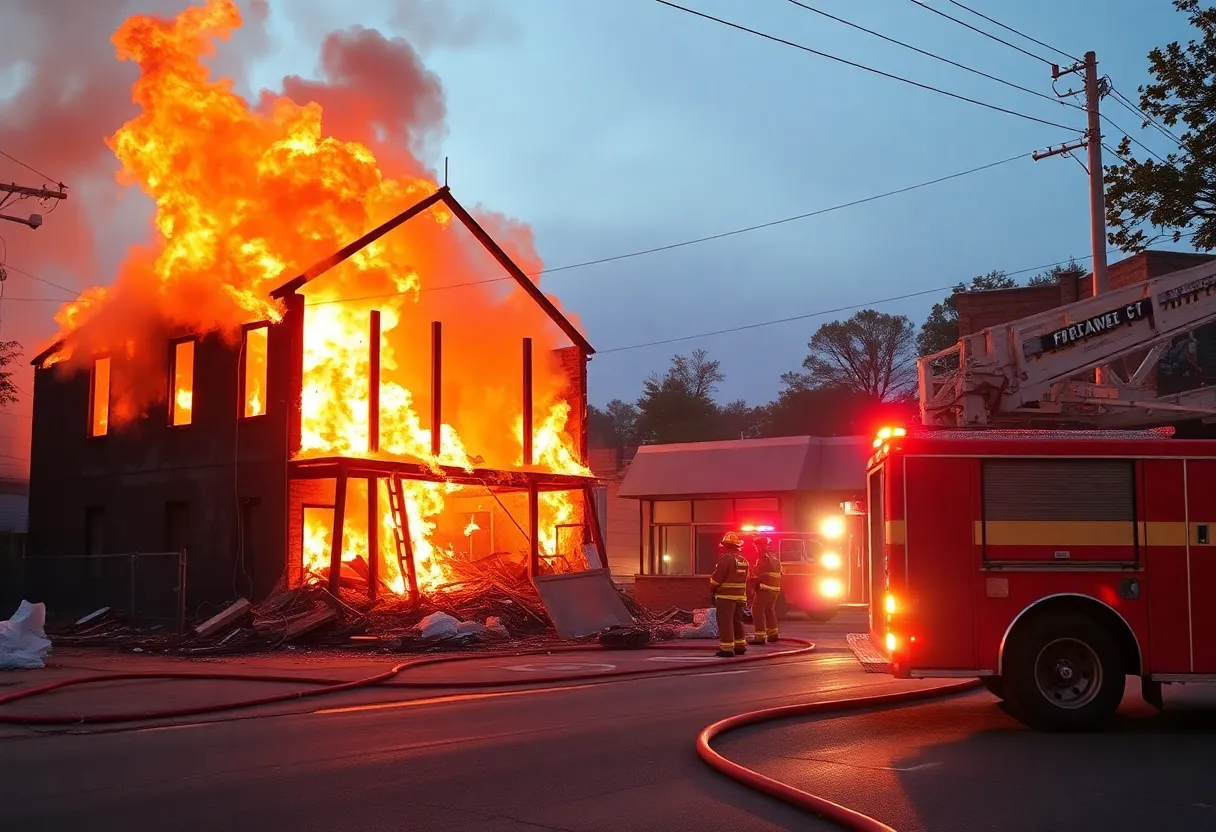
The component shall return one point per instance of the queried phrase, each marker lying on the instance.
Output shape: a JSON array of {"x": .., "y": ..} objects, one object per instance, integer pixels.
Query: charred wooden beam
[
  {"x": 527, "y": 403},
  {"x": 321, "y": 468},
  {"x": 335, "y": 546},
  {"x": 593, "y": 522},
  {"x": 373, "y": 384},
  {"x": 373, "y": 532},
  {"x": 322, "y": 266},
  {"x": 436, "y": 387},
  {"x": 516, "y": 272},
  {"x": 533, "y": 531}
]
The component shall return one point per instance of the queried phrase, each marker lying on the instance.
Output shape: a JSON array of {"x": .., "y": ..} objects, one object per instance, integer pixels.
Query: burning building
[{"x": 408, "y": 405}]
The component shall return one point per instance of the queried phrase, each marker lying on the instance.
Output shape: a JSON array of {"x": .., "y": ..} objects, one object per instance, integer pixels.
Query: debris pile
[{"x": 495, "y": 605}]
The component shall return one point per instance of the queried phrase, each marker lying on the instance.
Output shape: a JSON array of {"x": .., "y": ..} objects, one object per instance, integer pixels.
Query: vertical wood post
[
  {"x": 335, "y": 546},
  {"x": 533, "y": 530},
  {"x": 373, "y": 385},
  {"x": 411, "y": 561},
  {"x": 436, "y": 385},
  {"x": 527, "y": 403},
  {"x": 373, "y": 533},
  {"x": 593, "y": 523}
]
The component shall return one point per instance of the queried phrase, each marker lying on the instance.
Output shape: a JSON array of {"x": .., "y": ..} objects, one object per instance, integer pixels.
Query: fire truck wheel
[
  {"x": 1064, "y": 672},
  {"x": 994, "y": 685}
]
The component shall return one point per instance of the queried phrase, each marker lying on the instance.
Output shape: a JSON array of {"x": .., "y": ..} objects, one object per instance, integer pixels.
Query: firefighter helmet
[
  {"x": 730, "y": 540},
  {"x": 762, "y": 543}
]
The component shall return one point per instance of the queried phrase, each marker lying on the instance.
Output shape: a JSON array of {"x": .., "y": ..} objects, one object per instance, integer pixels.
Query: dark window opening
[{"x": 177, "y": 526}]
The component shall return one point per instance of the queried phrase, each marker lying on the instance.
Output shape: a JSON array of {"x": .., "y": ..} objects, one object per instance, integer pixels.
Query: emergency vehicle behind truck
[{"x": 1049, "y": 564}]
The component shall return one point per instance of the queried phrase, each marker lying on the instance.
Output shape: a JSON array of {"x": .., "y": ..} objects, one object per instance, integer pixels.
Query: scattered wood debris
[{"x": 223, "y": 619}]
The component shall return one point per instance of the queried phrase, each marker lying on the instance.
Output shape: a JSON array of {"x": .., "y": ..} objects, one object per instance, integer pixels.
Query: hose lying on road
[
  {"x": 331, "y": 686},
  {"x": 819, "y": 806}
]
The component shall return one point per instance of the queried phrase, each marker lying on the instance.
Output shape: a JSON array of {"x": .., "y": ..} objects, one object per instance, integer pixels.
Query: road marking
[
  {"x": 920, "y": 767},
  {"x": 684, "y": 659},
  {"x": 720, "y": 673},
  {"x": 560, "y": 667},
  {"x": 441, "y": 700},
  {"x": 176, "y": 727}
]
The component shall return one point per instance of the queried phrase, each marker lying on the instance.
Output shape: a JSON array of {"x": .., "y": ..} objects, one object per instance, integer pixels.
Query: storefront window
[
  {"x": 674, "y": 548},
  {"x": 713, "y": 511},
  {"x": 672, "y": 511},
  {"x": 708, "y": 538}
]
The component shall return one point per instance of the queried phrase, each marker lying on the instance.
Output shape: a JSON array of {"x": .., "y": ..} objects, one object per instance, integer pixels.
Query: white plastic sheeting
[
  {"x": 704, "y": 625},
  {"x": 23, "y": 641}
]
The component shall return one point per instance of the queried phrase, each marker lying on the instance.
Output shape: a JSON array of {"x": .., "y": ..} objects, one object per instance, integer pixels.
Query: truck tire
[
  {"x": 822, "y": 616},
  {"x": 1063, "y": 672},
  {"x": 994, "y": 685}
]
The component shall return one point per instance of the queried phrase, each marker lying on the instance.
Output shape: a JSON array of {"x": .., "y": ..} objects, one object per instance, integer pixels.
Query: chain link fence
[{"x": 149, "y": 587}]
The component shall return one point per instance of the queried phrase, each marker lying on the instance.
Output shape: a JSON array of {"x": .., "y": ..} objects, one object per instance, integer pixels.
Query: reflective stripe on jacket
[
  {"x": 769, "y": 568},
  {"x": 729, "y": 579}
]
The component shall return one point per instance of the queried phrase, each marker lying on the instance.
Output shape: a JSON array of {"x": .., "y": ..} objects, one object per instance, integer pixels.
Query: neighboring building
[
  {"x": 691, "y": 494},
  {"x": 979, "y": 310},
  {"x": 223, "y": 482},
  {"x": 619, "y": 516},
  {"x": 14, "y": 513}
]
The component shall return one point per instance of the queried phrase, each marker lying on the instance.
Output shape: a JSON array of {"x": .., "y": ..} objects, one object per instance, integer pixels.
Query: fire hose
[
  {"x": 821, "y": 807},
  {"x": 813, "y": 804},
  {"x": 325, "y": 687}
]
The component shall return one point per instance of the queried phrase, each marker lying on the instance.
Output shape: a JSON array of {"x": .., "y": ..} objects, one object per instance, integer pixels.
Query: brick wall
[
  {"x": 574, "y": 365},
  {"x": 303, "y": 493},
  {"x": 979, "y": 310},
  {"x": 659, "y": 592}
]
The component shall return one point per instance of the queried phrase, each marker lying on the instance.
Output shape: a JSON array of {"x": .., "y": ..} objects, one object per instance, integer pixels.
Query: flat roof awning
[{"x": 748, "y": 466}]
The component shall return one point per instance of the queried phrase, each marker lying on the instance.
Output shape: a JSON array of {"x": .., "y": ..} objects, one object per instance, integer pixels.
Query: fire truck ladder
[
  {"x": 401, "y": 534},
  {"x": 1030, "y": 370}
]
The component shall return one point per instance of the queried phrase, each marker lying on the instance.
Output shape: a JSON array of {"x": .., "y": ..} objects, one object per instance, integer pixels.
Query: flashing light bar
[{"x": 750, "y": 528}]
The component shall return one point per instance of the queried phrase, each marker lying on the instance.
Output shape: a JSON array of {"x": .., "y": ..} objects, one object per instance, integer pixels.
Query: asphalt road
[{"x": 614, "y": 756}]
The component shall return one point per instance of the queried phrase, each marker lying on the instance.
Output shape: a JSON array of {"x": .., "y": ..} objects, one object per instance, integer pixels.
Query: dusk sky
[{"x": 613, "y": 126}]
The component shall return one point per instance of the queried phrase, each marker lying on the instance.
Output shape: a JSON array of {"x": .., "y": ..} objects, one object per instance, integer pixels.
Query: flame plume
[{"x": 246, "y": 195}]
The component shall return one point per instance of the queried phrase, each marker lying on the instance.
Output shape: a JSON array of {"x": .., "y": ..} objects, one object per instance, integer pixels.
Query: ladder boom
[{"x": 1028, "y": 369}]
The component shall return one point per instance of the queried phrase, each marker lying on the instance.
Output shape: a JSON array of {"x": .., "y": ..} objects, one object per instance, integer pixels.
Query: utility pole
[
  {"x": 14, "y": 190},
  {"x": 1094, "y": 89}
]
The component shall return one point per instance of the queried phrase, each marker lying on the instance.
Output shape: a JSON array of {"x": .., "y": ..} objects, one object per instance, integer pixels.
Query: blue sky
[
  {"x": 617, "y": 126},
  {"x": 612, "y": 126}
]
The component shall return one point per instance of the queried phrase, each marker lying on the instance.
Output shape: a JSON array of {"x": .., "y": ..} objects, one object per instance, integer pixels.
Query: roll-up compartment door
[{"x": 1058, "y": 510}]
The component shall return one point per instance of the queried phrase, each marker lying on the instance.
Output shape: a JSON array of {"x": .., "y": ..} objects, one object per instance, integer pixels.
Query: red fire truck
[
  {"x": 811, "y": 578},
  {"x": 1052, "y": 563}
]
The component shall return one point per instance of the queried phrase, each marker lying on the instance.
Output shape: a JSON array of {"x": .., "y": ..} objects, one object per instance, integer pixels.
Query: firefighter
[
  {"x": 768, "y": 587},
  {"x": 728, "y": 588}
]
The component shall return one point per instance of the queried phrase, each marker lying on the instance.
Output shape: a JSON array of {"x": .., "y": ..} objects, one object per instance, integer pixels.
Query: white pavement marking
[
  {"x": 684, "y": 659},
  {"x": 720, "y": 673},
  {"x": 560, "y": 667},
  {"x": 920, "y": 767}
]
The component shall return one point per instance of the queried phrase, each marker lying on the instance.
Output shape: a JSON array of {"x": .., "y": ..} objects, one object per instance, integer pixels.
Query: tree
[
  {"x": 1052, "y": 275},
  {"x": 739, "y": 420},
  {"x": 940, "y": 329},
  {"x": 613, "y": 427},
  {"x": 10, "y": 351},
  {"x": 1181, "y": 191},
  {"x": 870, "y": 353},
  {"x": 680, "y": 406}
]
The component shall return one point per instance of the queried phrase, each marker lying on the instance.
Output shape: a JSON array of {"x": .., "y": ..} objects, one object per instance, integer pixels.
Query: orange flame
[{"x": 246, "y": 197}]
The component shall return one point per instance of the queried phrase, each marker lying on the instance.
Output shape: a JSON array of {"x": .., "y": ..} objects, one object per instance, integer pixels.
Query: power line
[
  {"x": 1016, "y": 32},
  {"x": 698, "y": 240},
  {"x": 837, "y": 310},
  {"x": 982, "y": 32},
  {"x": 1132, "y": 139},
  {"x": 12, "y": 158},
  {"x": 12, "y": 268},
  {"x": 871, "y": 69},
  {"x": 935, "y": 56},
  {"x": 1127, "y": 102},
  {"x": 1136, "y": 112}
]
